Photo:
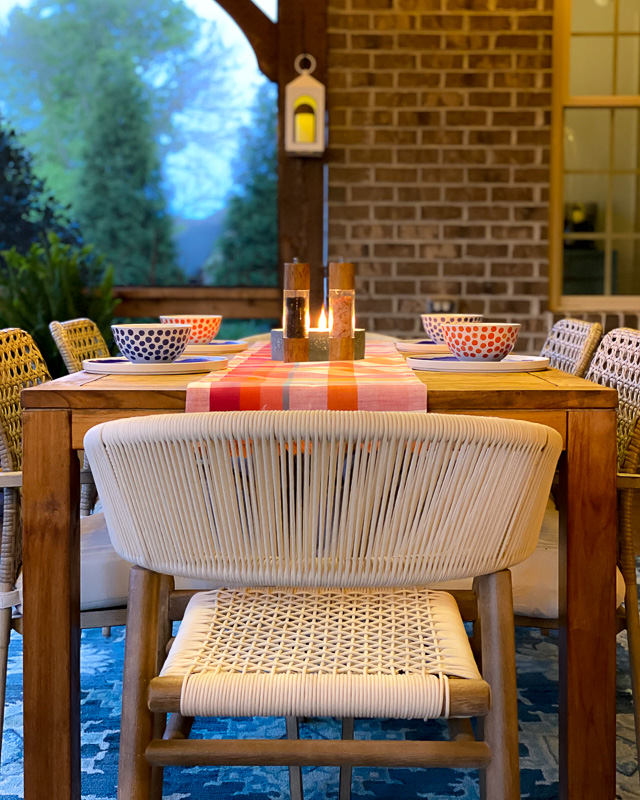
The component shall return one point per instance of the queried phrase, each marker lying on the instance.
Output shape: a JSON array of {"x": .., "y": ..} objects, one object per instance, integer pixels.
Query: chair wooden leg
[
  {"x": 5, "y": 635},
  {"x": 501, "y": 779},
  {"x": 345, "y": 772},
  {"x": 106, "y": 631},
  {"x": 295, "y": 773},
  {"x": 147, "y": 623}
]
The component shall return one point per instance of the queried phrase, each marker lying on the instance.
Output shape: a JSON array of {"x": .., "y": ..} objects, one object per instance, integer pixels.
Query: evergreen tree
[
  {"x": 52, "y": 63},
  {"x": 246, "y": 254},
  {"x": 121, "y": 204},
  {"x": 28, "y": 211}
]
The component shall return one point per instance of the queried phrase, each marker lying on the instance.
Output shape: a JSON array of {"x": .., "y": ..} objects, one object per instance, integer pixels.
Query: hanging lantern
[{"x": 304, "y": 104}]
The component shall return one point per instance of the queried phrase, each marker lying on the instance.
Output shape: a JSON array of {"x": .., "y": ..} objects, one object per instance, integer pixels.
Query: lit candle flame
[{"x": 322, "y": 323}]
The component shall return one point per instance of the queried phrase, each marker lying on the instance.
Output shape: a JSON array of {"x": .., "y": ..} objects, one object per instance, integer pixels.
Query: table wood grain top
[{"x": 544, "y": 390}]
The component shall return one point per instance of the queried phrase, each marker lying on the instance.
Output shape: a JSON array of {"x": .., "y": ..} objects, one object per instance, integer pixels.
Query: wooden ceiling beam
[{"x": 261, "y": 32}]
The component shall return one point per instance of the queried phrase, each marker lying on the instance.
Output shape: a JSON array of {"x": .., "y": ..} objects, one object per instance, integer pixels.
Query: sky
[{"x": 199, "y": 179}]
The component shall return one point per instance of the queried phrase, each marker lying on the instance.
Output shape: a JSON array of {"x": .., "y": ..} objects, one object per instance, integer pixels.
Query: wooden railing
[{"x": 240, "y": 303}]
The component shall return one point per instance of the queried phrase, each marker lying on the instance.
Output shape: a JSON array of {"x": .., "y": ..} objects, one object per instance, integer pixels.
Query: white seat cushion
[
  {"x": 535, "y": 581},
  {"x": 104, "y": 575}
]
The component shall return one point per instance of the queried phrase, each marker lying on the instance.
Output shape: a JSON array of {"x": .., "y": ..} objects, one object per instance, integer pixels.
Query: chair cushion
[
  {"x": 320, "y": 652},
  {"x": 104, "y": 575},
  {"x": 535, "y": 580}
]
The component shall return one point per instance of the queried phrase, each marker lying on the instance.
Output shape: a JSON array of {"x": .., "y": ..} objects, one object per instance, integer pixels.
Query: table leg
[
  {"x": 588, "y": 519},
  {"x": 51, "y": 553}
]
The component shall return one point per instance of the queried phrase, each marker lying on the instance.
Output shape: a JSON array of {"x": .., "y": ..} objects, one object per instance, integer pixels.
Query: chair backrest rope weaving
[{"x": 323, "y": 498}]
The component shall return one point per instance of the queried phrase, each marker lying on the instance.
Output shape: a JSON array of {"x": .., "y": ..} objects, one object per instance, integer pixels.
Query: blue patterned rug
[{"x": 101, "y": 667}]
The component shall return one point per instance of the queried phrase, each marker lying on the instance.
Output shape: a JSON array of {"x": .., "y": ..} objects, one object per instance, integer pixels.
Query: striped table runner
[{"x": 380, "y": 382}]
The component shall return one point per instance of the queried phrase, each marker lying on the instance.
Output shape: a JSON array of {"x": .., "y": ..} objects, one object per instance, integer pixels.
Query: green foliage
[
  {"x": 121, "y": 204},
  {"x": 52, "y": 67},
  {"x": 27, "y": 209},
  {"x": 51, "y": 281},
  {"x": 246, "y": 254}
]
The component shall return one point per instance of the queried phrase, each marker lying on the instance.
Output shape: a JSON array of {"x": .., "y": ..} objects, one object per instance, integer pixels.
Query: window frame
[{"x": 561, "y": 101}]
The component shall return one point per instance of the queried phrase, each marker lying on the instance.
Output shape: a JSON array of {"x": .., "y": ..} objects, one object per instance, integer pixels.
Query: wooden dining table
[{"x": 58, "y": 414}]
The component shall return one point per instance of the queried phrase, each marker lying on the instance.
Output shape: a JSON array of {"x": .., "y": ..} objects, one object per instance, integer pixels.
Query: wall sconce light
[{"x": 304, "y": 109}]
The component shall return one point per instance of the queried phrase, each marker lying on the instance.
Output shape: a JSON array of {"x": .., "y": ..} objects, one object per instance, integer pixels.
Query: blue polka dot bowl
[{"x": 151, "y": 343}]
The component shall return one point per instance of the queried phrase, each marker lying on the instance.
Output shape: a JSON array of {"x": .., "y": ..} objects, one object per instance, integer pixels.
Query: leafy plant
[
  {"x": 54, "y": 280},
  {"x": 28, "y": 210}
]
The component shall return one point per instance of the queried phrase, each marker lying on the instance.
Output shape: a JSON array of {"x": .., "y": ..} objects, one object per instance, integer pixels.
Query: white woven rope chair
[
  {"x": 571, "y": 344},
  {"x": 328, "y": 525}
]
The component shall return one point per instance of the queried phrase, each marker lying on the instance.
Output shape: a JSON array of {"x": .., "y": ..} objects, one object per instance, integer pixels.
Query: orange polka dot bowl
[
  {"x": 204, "y": 327},
  {"x": 432, "y": 323},
  {"x": 481, "y": 341}
]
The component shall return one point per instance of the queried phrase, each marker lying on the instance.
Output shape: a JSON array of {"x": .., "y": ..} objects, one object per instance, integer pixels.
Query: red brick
[
  {"x": 514, "y": 119},
  {"x": 351, "y": 22},
  {"x": 511, "y": 194},
  {"x": 371, "y": 194},
  {"x": 419, "y": 5},
  {"x": 464, "y": 232},
  {"x": 490, "y": 137},
  {"x": 394, "y": 250},
  {"x": 514, "y": 80},
  {"x": 371, "y": 231},
  {"x": 377, "y": 79},
  {"x": 466, "y": 43},
  {"x": 491, "y": 22},
  {"x": 421, "y": 79},
  {"x": 489, "y": 175},
  {"x": 441, "y": 175},
  {"x": 442, "y": 99},
  {"x": 395, "y": 287},
  {"x": 487, "y": 250},
  {"x": 396, "y": 175},
  {"x": 464, "y": 269},
  {"x": 464, "y": 156},
  {"x": 513, "y": 156},
  {"x": 443, "y": 250},
  {"x": 419, "y": 269},
  {"x": 467, "y": 118},
  {"x": 466, "y": 194},
  {"x": 487, "y": 287},
  {"x": 516, "y": 42},
  {"x": 394, "y": 22},
  {"x": 537, "y": 23},
  {"x": 442, "y": 22},
  {"x": 418, "y": 41},
  {"x": 421, "y": 156},
  {"x": 370, "y": 156},
  {"x": 418, "y": 194},
  {"x": 396, "y": 136},
  {"x": 440, "y": 287},
  {"x": 446, "y": 137},
  {"x": 415, "y": 118},
  {"x": 371, "y": 41},
  {"x": 361, "y": 117},
  {"x": 394, "y": 212},
  {"x": 441, "y": 61},
  {"x": 512, "y": 232},
  {"x": 488, "y": 213},
  {"x": 462, "y": 80},
  {"x": 350, "y": 212},
  {"x": 440, "y": 212},
  {"x": 396, "y": 99},
  {"x": 512, "y": 270},
  {"x": 418, "y": 231},
  {"x": 490, "y": 61},
  {"x": 384, "y": 61}
]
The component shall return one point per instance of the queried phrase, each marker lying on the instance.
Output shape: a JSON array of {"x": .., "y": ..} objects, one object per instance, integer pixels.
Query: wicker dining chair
[
  {"x": 329, "y": 524},
  {"x": 571, "y": 344},
  {"x": 104, "y": 574},
  {"x": 77, "y": 339}
]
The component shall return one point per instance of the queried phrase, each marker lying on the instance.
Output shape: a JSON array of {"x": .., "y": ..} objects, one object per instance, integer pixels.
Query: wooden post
[
  {"x": 341, "y": 312},
  {"x": 302, "y": 27},
  {"x": 295, "y": 322}
]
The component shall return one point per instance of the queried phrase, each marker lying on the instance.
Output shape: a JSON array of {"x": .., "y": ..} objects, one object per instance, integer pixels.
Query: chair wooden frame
[{"x": 154, "y": 734}]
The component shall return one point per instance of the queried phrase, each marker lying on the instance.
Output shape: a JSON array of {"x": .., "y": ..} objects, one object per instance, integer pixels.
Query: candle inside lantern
[{"x": 305, "y": 125}]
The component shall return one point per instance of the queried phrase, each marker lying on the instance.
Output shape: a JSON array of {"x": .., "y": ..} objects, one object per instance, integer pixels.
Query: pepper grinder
[
  {"x": 342, "y": 312},
  {"x": 295, "y": 314}
]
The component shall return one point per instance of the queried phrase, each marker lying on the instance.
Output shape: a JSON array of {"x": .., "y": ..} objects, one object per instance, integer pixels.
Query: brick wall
[{"x": 438, "y": 164}]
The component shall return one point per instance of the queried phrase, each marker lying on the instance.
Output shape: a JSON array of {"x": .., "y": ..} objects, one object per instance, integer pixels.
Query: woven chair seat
[{"x": 321, "y": 652}]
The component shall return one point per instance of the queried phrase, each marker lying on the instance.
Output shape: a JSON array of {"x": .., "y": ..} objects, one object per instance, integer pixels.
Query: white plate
[
  {"x": 181, "y": 366},
  {"x": 421, "y": 347},
  {"x": 216, "y": 348},
  {"x": 512, "y": 363}
]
